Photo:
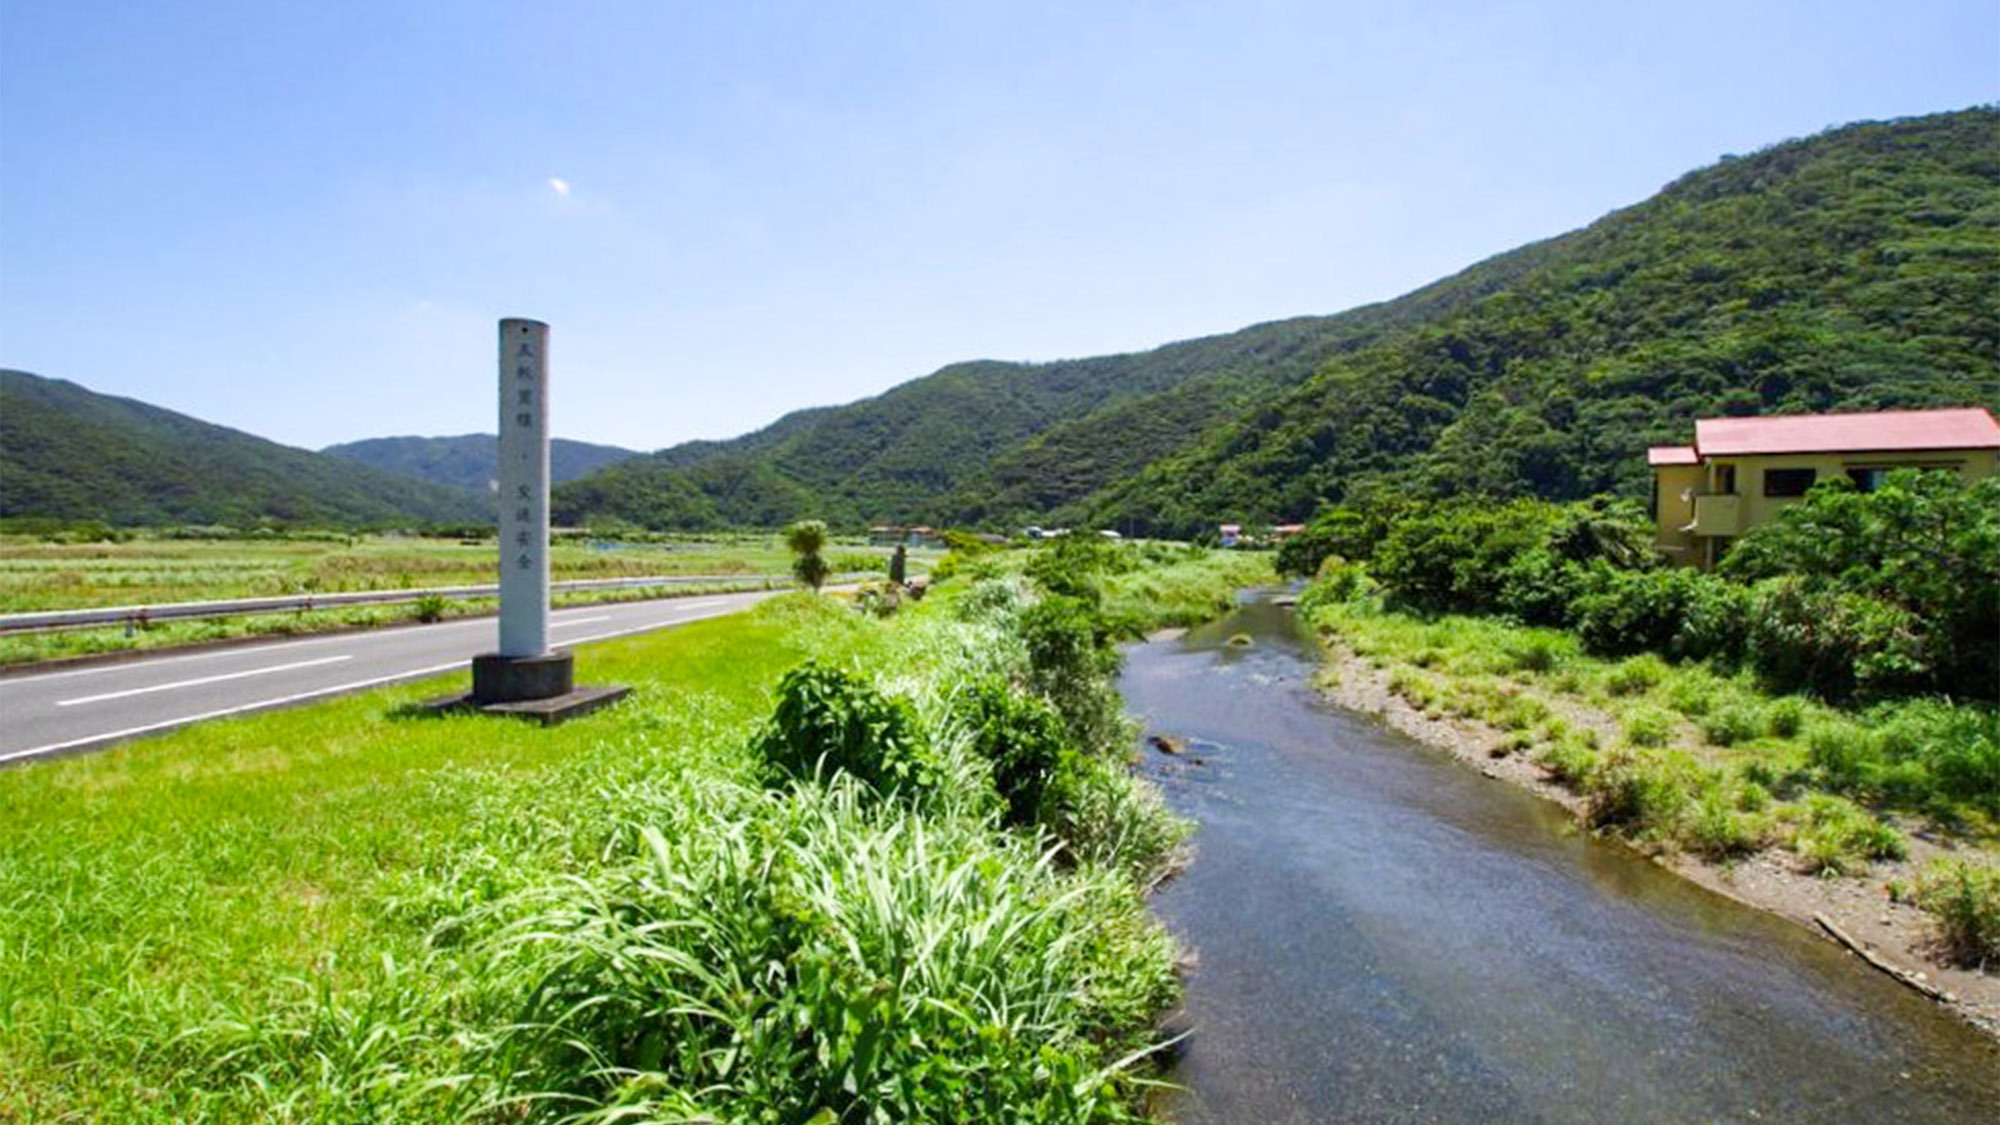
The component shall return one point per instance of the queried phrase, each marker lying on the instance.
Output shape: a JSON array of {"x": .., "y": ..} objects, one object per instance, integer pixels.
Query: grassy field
[
  {"x": 36, "y": 575},
  {"x": 351, "y": 912}
]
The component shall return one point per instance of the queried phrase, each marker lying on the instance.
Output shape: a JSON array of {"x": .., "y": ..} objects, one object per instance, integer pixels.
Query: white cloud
[{"x": 559, "y": 185}]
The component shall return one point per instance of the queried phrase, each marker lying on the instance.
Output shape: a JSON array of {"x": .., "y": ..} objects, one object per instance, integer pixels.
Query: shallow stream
[{"x": 1383, "y": 935}]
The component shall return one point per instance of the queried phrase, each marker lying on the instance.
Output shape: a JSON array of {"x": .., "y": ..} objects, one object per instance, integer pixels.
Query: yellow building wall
[
  {"x": 1674, "y": 488},
  {"x": 1671, "y": 481}
]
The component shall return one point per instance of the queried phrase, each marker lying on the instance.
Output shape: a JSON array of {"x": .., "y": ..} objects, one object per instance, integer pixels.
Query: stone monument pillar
[{"x": 524, "y": 677}]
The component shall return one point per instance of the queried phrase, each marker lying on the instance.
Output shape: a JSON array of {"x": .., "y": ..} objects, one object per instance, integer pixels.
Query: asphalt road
[{"x": 61, "y": 712}]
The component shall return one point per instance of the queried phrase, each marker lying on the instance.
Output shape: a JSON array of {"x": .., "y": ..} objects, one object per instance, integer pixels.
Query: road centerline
[{"x": 109, "y": 695}]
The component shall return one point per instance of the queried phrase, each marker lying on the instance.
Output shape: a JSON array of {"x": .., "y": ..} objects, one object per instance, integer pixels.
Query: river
[{"x": 1383, "y": 935}]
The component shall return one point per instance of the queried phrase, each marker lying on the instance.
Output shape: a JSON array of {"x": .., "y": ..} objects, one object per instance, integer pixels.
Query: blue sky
[{"x": 302, "y": 220}]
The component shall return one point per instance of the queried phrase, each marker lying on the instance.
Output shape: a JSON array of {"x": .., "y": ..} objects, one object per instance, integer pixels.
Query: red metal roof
[
  {"x": 1672, "y": 455},
  {"x": 1840, "y": 433}
]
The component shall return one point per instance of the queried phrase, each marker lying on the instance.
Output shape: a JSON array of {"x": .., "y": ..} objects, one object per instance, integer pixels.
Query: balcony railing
[{"x": 1718, "y": 514}]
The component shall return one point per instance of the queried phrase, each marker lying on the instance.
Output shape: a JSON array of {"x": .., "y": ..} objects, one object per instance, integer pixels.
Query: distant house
[
  {"x": 1232, "y": 534},
  {"x": 1740, "y": 471}
]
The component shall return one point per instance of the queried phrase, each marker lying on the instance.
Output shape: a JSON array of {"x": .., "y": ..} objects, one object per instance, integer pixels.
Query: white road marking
[
  {"x": 579, "y": 621},
  {"x": 203, "y": 680},
  {"x": 265, "y": 704},
  {"x": 280, "y": 646},
  {"x": 645, "y": 628},
  {"x": 218, "y": 654},
  {"x": 166, "y": 724}
]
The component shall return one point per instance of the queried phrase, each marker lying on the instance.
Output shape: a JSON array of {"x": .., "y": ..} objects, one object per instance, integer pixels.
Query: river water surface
[{"x": 1384, "y": 935}]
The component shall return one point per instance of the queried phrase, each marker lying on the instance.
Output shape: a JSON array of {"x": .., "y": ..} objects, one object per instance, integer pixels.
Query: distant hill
[
  {"x": 69, "y": 453},
  {"x": 1856, "y": 269},
  {"x": 467, "y": 461}
]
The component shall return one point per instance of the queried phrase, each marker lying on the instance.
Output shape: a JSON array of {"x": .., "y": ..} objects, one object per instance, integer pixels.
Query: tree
[{"x": 807, "y": 539}]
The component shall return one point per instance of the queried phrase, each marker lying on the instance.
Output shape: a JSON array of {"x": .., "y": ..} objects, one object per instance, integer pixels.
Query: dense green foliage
[
  {"x": 830, "y": 722},
  {"x": 1847, "y": 595},
  {"x": 807, "y": 539},
  {"x": 67, "y": 453},
  {"x": 469, "y": 461}
]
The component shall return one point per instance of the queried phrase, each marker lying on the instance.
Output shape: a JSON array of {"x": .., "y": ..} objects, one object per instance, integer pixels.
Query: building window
[
  {"x": 1725, "y": 480},
  {"x": 1788, "y": 482},
  {"x": 1867, "y": 480}
]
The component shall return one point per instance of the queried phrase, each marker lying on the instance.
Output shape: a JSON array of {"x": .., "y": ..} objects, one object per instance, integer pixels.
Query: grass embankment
[
  {"x": 1682, "y": 757},
  {"x": 36, "y": 575},
  {"x": 348, "y": 912}
]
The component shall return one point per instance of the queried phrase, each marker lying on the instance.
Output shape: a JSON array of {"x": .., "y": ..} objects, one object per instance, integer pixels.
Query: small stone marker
[{"x": 524, "y": 678}]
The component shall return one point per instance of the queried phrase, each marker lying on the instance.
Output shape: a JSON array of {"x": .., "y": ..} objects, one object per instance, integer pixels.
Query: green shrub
[
  {"x": 1834, "y": 644},
  {"x": 1838, "y": 837},
  {"x": 1784, "y": 718},
  {"x": 1965, "y": 900},
  {"x": 1024, "y": 739},
  {"x": 1648, "y": 726},
  {"x": 1569, "y": 760},
  {"x": 430, "y": 608},
  {"x": 1843, "y": 755},
  {"x": 828, "y": 722},
  {"x": 1721, "y": 828},
  {"x": 1648, "y": 795},
  {"x": 1071, "y": 664},
  {"x": 1338, "y": 582},
  {"x": 1730, "y": 725},
  {"x": 1634, "y": 676},
  {"x": 1954, "y": 752},
  {"x": 1539, "y": 655},
  {"x": 1692, "y": 695}
]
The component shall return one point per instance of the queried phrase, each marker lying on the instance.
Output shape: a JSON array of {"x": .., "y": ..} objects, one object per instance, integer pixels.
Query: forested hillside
[
  {"x": 469, "y": 460},
  {"x": 1859, "y": 268},
  {"x": 69, "y": 453}
]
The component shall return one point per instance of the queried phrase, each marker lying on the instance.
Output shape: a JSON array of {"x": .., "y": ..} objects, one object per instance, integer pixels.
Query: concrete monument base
[
  {"x": 539, "y": 688},
  {"x": 517, "y": 679}
]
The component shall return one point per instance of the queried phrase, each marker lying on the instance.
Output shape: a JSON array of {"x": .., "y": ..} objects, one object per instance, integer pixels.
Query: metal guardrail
[{"x": 139, "y": 615}]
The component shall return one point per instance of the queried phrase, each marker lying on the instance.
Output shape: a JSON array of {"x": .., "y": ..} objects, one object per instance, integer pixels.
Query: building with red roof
[{"x": 1741, "y": 472}]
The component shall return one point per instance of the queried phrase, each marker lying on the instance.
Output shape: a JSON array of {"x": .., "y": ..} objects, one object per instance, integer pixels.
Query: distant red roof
[
  {"x": 1672, "y": 455},
  {"x": 1840, "y": 433}
]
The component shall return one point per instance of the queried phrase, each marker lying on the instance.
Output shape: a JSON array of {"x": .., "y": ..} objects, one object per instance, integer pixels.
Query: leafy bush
[
  {"x": 1450, "y": 557},
  {"x": 1965, "y": 899},
  {"x": 1730, "y": 725},
  {"x": 1903, "y": 583},
  {"x": 430, "y": 608},
  {"x": 1784, "y": 718},
  {"x": 1838, "y": 837},
  {"x": 828, "y": 721},
  {"x": 1648, "y": 795},
  {"x": 1071, "y": 664},
  {"x": 1649, "y": 726},
  {"x": 1835, "y": 644},
  {"x": 1027, "y": 743},
  {"x": 1635, "y": 676}
]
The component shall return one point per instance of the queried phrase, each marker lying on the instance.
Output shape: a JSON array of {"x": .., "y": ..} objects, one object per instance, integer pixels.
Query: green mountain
[
  {"x": 468, "y": 461},
  {"x": 1856, "y": 269},
  {"x": 70, "y": 453},
  {"x": 984, "y": 441}
]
